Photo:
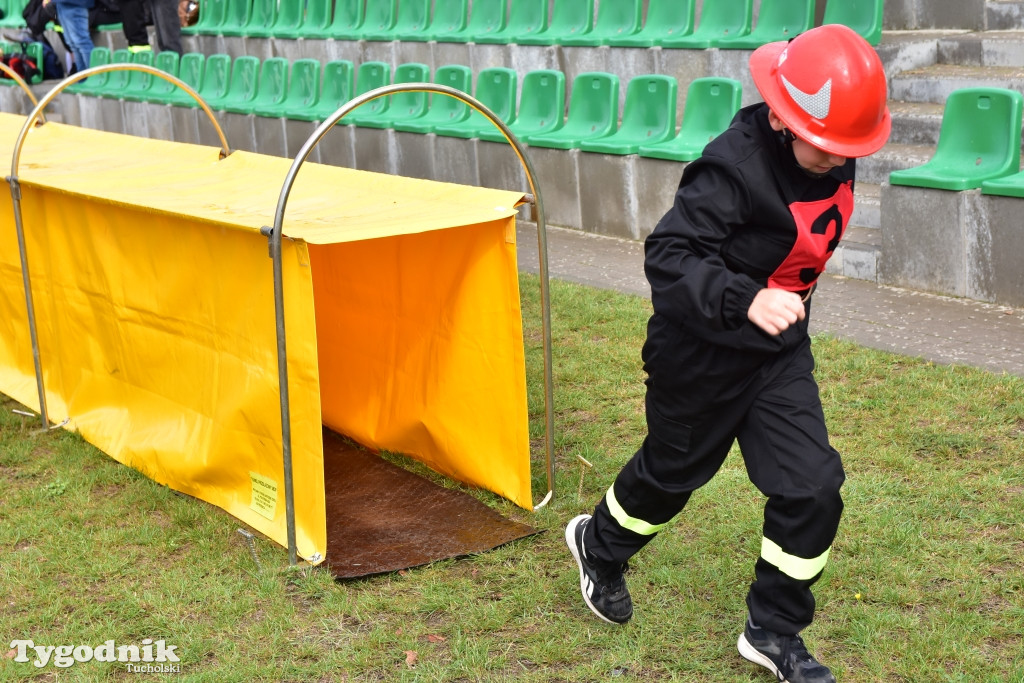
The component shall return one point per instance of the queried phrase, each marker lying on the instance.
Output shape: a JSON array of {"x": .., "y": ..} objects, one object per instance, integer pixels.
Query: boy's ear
[{"x": 775, "y": 122}]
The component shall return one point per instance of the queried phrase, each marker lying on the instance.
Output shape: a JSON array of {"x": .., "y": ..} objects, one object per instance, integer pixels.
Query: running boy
[{"x": 732, "y": 267}]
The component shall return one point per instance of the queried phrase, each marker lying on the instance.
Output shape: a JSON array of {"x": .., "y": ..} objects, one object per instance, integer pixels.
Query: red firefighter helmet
[{"x": 827, "y": 86}]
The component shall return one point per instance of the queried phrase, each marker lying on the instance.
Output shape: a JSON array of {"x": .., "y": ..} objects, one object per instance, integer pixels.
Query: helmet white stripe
[{"x": 815, "y": 104}]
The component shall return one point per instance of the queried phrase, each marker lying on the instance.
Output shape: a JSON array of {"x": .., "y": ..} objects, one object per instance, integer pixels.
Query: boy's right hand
[{"x": 774, "y": 310}]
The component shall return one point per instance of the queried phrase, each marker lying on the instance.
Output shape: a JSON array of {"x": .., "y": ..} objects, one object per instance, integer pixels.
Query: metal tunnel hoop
[
  {"x": 274, "y": 237},
  {"x": 37, "y": 115}
]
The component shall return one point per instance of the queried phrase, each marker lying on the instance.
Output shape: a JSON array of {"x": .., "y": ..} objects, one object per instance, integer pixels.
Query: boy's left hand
[{"x": 774, "y": 310}]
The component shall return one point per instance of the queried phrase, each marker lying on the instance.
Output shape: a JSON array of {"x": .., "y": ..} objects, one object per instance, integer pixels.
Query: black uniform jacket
[{"x": 745, "y": 216}]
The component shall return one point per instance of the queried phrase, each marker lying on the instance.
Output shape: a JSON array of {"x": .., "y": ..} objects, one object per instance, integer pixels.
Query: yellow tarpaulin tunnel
[{"x": 154, "y": 309}]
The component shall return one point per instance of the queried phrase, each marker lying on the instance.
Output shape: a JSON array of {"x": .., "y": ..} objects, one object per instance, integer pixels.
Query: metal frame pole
[{"x": 273, "y": 234}]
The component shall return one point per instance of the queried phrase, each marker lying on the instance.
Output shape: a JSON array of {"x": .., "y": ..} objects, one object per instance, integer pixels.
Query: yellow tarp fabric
[{"x": 155, "y": 310}]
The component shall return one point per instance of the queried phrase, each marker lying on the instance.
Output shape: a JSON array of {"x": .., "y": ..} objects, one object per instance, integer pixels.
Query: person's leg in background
[
  {"x": 167, "y": 23},
  {"x": 133, "y": 19},
  {"x": 75, "y": 22}
]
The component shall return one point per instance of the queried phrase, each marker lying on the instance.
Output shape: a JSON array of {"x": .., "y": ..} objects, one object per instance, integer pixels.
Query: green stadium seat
[
  {"x": 450, "y": 17},
  {"x": 119, "y": 81},
  {"x": 237, "y": 15},
  {"x": 316, "y": 21},
  {"x": 1007, "y": 186},
  {"x": 711, "y": 104},
  {"x": 406, "y": 105},
  {"x": 648, "y": 116},
  {"x": 100, "y": 56},
  {"x": 242, "y": 86},
  {"x": 777, "y": 20},
  {"x": 211, "y": 17},
  {"x": 345, "y": 23},
  {"x": 593, "y": 112},
  {"x": 288, "y": 22},
  {"x": 370, "y": 76},
  {"x": 139, "y": 82},
  {"x": 444, "y": 109},
  {"x": 718, "y": 20},
  {"x": 615, "y": 19},
  {"x": 336, "y": 89},
  {"x": 215, "y": 81},
  {"x": 979, "y": 140},
  {"x": 495, "y": 89},
  {"x": 35, "y": 51},
  {"x": 863, "y": 16},
  {"x": 569, "y": 18},
  {"x": 13, "y": 14},
  {"x": 272, "y": 86},
  {"x": 485, "y": 18},
  {"x": 302, "y": 95},
  {"x": 190, "y": 71},
  {"x": 261, "y": 19},
  {"x": 411, "y": 22},
  {"x": 525, "y": 18},
  {"x": 541, "y": 106},
  {"x": 381, "y": 16},
  {"x": 666, "y": 19},
  {"x": 159, "y": 89}
]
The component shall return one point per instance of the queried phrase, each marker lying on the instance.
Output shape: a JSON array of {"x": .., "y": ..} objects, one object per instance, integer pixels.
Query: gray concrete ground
[{"x": 941, "y": 329}]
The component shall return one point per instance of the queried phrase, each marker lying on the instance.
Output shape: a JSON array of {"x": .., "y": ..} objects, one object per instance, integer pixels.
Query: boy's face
[{"x": 808, "y": 156}]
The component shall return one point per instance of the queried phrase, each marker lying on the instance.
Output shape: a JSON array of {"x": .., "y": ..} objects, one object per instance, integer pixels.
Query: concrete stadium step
[
  {"x": 985, "y": 48},
  {"x": 1004, "y": 15},
  {"x": 867, "y": 206},
  {"x": 916, "y": 123},
  {"x": 935, "y": 83},
  {"x": 876, "y": 168}
]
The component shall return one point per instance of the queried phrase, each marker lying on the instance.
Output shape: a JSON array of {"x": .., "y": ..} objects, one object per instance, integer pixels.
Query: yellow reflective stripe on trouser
[
  {"x": 637, "y": 526},
  {"x": 799, "y": 568}
]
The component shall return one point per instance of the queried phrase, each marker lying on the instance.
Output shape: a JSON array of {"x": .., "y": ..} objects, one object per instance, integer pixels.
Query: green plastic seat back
[
  {"x": 615, "y": 19},
  {"x": 237, "y": 15},
  {"x": 190, "y": 71},
  {"x": 444, "y": 109},
  {"x": 160, "y": 90},
  {"x": 370, "y": 76},
  {"x": 335, "y": 89},
  {"x": 346, "y": 21},
  {"x": 711, "y": 104},
  {"x": 410, "y": 22},
  {"x": 979, "y": 140},
  {"x": 593, "y": 112},
  {"x": 242, "y": 87},
  {"x": 570, "y": 18},
  {"x": 648, "y": 116},
  {"x": 134, "y": 83},
  {"x": 100, "y": 56},
  {"x": 719, "y": 20},
  {"x": 666, "y": 19},
  {"x": 776, "y": 20},
  {"x": 863, "y": 16},
  {"x": 216, "y": 78},
  {"x": 303, "y": 86},
  {"x": 211, "y": 16},
  {"x": 525, "y": 18},
  {"x": 380, "y": 17},
  {"x": 273, "y": 85},
  {"x": 262, "y": 18},
  {"x": 541, "y": 106},
  {"x": 495, "y": 89},
  {"x": 318, "y": 17},
  {"x": 450, "y": 16},
  {"x": 288, "y": 20},
  {"x": 398, "y": 106},
  {"x": 485, "y": 18}
]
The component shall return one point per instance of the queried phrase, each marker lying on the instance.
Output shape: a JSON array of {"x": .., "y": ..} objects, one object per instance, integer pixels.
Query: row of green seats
[
  {"x": 979, "y": 145},
  {"x": 669, "y": 23},
  {"x": 274, "y": 88}
]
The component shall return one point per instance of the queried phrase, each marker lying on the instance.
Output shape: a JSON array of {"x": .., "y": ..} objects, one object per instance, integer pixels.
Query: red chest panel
[{"x": 819, "y": 227}]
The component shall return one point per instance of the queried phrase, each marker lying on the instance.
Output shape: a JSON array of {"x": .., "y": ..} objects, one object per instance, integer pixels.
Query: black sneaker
[
  {"x": 603, "y": 587},
  {"x": 785, "y": 656}
]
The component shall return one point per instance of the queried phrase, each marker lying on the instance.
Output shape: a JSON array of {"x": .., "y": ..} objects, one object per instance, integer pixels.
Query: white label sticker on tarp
[{"x": 264, "y": 495}]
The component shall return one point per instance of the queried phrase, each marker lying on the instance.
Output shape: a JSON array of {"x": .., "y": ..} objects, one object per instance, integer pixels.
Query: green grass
[{"x": 925, "y": 582}]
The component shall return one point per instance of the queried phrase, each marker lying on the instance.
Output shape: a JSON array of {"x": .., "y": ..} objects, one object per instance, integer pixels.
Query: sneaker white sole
[
  {"x": 748, "y": 652},
  {"x": 570, "y": 540}
]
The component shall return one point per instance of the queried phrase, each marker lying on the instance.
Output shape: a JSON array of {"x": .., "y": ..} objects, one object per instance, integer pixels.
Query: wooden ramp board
[{"x": 382, "y": 518}]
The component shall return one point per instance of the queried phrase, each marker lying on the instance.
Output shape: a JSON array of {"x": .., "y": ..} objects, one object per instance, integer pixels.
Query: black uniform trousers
[{"x": 700, "y": 398}]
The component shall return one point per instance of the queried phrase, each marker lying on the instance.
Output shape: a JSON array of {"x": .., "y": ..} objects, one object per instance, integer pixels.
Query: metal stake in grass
[
  {"x": 250, "y": 539},
  {"x": 584, "y": 464}
]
